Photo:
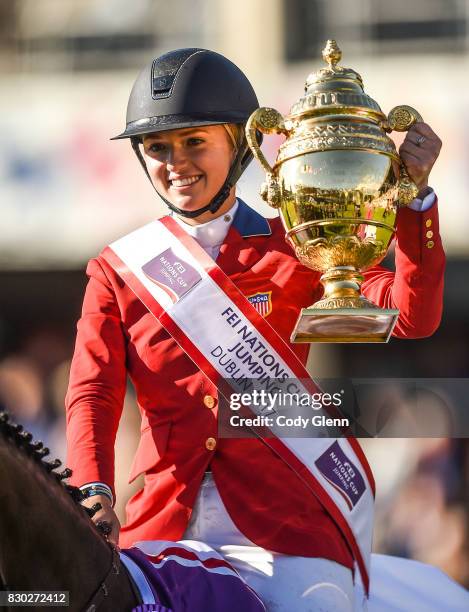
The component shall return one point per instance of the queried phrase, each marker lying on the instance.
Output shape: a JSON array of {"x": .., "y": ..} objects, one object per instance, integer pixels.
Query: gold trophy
[{"x": 338, "y": 182}]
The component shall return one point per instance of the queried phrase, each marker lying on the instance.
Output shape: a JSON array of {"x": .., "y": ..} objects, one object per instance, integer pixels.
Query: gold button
[
  {"x": 227, "y": 218},
  {"x": 430, "y": 244},
  {"x": 428, "y": 223},
  {"x": 210, "y": 444},
  {"x": 429, "y": 234},
  {"x": 210, "y": 401}
]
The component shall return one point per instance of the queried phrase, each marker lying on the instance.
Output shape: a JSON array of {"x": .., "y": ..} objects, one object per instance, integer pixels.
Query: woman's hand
[
  {"x": 419, "y": 152},
  {"x": 105, "y": 514}
]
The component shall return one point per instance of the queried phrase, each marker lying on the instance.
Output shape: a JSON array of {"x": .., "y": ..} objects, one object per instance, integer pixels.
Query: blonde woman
[{"x": 185, "y": 120}]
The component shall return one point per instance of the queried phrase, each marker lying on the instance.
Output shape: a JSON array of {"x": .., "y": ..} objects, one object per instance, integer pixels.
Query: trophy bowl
[{"x": 338, "y": 182}]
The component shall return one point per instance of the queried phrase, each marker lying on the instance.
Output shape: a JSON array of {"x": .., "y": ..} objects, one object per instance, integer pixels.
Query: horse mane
[{"x": 37, "y": 451}]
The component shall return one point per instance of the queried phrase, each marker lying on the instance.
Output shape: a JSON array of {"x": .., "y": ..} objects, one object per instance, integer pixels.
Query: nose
[{"x": 176, "y": 157}]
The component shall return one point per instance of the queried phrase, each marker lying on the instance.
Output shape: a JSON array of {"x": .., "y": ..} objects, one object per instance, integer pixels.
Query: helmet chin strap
[{"x": 214, "y": 205}]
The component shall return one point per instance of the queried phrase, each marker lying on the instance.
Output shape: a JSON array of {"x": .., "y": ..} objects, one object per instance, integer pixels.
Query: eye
[
  {"x": 156, "y": 147},
  {"x": 193, "y": 141}
]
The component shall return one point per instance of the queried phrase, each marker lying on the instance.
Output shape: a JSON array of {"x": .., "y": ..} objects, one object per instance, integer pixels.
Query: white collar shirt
[{"x": 211, "y": 235}]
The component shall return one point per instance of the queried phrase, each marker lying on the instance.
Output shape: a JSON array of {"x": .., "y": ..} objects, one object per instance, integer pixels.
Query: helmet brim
[{"x": 176, "y": 122}]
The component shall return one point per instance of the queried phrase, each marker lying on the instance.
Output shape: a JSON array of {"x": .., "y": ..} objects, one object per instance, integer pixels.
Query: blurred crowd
[
  {"x": 422, "y": 500},
  {"x": 33, "y": 384}
]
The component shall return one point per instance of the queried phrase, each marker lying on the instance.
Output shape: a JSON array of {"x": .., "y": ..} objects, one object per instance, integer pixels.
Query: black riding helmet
[{"x": 186, "y": 88}]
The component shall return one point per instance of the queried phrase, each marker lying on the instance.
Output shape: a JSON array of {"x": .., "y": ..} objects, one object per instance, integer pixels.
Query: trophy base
[{"x": 344, "y": 325}]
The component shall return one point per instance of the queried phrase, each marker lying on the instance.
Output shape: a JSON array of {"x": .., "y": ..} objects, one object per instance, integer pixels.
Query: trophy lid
[
  {"x": 335, "y": 114},
  {"x": 335, "y": 89}
]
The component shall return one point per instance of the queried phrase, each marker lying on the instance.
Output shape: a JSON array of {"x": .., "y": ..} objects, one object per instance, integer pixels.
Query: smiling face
[{"x": 188, "y": 166}]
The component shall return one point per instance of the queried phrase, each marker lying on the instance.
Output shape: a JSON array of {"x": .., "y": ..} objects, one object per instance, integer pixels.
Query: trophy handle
[
  {"x": 268, "y": 121},
  {"x": 400, "y": 119}
]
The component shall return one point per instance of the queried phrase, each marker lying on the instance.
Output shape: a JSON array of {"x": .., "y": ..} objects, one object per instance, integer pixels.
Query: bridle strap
[{"x": 107, "y": 584}]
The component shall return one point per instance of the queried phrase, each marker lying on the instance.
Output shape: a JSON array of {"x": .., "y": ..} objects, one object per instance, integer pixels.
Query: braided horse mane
[
  {"x": 48, "y": 540},
  {"x": 23, "y": 441}
]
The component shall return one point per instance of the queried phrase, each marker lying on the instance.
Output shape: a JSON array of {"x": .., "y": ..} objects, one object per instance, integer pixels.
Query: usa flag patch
[{"x": 262, "y": 302}]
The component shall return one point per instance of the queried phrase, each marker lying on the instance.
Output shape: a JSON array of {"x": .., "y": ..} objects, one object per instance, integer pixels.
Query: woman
[{"x": 185, "y": 121}]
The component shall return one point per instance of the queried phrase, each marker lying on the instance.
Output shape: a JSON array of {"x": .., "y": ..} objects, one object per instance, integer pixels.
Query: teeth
[{"x": 185, "y": 181}]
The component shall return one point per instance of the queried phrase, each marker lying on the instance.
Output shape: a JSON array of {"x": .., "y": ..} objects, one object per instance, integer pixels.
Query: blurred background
[{"x": 66, "y": 69}]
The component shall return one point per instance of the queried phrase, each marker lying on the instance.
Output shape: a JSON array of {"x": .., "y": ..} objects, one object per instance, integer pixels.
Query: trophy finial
[
  {"x": 332, "y": 53},
  {"x": 332, "y": 78}
]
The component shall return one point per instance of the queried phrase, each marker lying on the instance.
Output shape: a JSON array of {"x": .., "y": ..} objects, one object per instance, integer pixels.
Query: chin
[
  {"x": 189, "y": 204},
  {"x": 188, "y": 208}
]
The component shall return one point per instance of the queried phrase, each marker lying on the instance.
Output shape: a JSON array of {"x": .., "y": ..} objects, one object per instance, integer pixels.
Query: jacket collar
[
  {"x": 250, "y": 223},
  {"x": 238, "y": 253}
]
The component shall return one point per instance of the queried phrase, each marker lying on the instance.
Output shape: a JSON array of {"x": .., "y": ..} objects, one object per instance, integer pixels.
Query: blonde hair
[{"x": 236, "y": 133}]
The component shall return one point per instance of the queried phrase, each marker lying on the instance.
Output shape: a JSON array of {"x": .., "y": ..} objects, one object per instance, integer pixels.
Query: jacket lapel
[{"x": 239, "y": 251}]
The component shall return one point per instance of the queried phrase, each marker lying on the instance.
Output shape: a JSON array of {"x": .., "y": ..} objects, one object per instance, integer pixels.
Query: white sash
[{"x": 206, "y": 313}]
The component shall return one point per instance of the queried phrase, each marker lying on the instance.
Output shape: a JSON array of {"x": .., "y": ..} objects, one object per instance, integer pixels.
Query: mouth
[{"x": 186, "y": 181}]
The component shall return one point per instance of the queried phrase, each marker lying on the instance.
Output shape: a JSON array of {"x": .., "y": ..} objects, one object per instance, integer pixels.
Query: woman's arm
[
  {"x": 97, "y": 383},
  {"x": 416, "y": 288}
]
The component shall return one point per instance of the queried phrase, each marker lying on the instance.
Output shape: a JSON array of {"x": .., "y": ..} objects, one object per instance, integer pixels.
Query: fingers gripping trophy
[{"x": 338, "y": 182}]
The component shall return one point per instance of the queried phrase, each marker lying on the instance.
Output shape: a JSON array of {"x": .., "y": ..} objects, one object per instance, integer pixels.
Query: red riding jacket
[{"x": 117, "y": 336}]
